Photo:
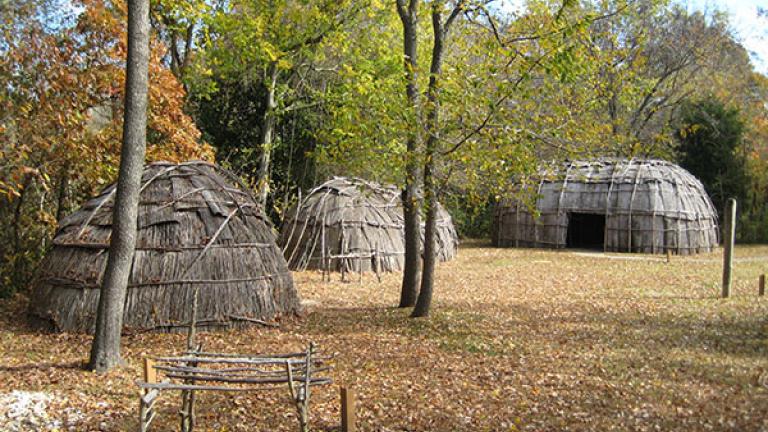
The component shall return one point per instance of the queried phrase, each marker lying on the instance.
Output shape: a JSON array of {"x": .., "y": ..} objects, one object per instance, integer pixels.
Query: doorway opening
[{"x": 586, "y": 231}]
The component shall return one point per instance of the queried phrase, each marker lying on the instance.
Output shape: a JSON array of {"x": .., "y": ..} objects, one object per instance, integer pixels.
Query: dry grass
[{"x": 518, "y": 340}]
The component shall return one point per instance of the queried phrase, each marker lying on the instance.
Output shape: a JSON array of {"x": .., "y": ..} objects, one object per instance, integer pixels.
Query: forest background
[{"x": 288, "y": 93}]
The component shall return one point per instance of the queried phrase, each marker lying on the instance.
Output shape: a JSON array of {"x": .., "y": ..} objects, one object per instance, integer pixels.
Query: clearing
[{"x": 519, "y": 339}]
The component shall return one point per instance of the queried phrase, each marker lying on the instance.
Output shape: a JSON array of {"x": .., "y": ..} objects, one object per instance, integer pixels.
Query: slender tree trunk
[
  {"x": 433, "y": 135},
  {"x": 105, "y": 351},
  {"x": 17, "y": 213},
  {"x": 411, "y": 204},
  {"x": 61, "y": 192},
  {"x": 267, "y": 132}
]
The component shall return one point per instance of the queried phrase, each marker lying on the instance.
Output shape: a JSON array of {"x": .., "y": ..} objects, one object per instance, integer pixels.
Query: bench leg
[
  {"x": 187, "y": 412},
  {"x": 303, "y": 408},
  {"x": 146, "y": 409},
  {"x": 300, "y": 395},
  {"x": 143, "y": 416}
]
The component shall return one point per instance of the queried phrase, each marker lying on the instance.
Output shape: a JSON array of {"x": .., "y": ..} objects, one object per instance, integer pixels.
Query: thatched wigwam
[
  {"x": 615, "y": 205},
  {"x": 349, "y": 224},
  {"x": 196, "y": 229}
]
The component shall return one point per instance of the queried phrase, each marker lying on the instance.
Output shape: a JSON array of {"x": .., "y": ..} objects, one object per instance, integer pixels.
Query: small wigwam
[
  {"x": 197, "y": 228},
  {"x": 613, "y": 205},
  {"x": 350, "y": 224}
]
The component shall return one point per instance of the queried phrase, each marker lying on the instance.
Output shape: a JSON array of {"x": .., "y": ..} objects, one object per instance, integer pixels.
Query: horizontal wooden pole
[
  {"x": 170, "y": 386},
  {"x": 237, "y": 372},
  {"x": 243, "y": 380},
  {"x": 255, "y": 356}
]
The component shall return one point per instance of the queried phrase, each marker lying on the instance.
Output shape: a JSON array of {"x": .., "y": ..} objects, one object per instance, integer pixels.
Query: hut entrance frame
[{"x": 586, "y": 231}]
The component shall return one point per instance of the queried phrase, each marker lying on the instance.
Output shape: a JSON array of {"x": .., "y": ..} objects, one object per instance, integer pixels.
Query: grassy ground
[{"x": 518, "y": 340}]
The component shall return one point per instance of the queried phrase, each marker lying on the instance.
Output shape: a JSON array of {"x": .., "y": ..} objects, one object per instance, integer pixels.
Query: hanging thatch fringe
[
  {"x": 649, "y": 206},
  {"x": 183, "y": 244},
  {"x": 353, "y": 225}
]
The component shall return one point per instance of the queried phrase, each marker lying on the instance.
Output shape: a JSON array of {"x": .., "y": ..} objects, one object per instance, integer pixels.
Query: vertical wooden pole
[
  {"x": 761, "y": 286},
  {"x": 329, "y": 266},
  {"x": 669, "y": 255},
  {"x": 323, "y": 267},
  {"x": 342, "y": 253},
  {"x": 360, "y": 264},
  {"x": 343, "y": 264},
  {"x": 184, "y": 412},
  {"x": 347, "y": 410},
  {"x": 303, "y": 392},
  {"x": 150, "y": 373},
  {"x": 376, "y": 262},
  {"x": 143, "y": 414},
  {"x": 145, "y": 408},
  {"x": 325, "y": 264},
  {"x": 728, "y": 238}
]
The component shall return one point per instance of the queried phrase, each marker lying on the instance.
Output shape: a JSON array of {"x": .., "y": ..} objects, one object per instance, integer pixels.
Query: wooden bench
[{"x": 203, "y": 371}]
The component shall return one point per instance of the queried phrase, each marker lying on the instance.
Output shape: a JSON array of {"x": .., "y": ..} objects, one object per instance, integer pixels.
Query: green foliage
[
  {"x": 556, "y": 80},
  {"x": 229, "y": 118},
  {"x": 753, "y": 226},
  {"x": 367, "y": 115},
  {"x": 254, "y": 52},
  {"x": 471, "y": 217},
  {"x": 711, "y": 148}
]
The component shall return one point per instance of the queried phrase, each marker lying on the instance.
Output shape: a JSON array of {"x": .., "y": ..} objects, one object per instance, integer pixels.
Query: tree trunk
[
  {"x": 17, "y": 235},
  {"x": 61, "y": 192},
  {"x": 267, "y": 131},
  {"x": 428, "y": 272},
  {"x": 411, "y": 204},
  {"x": 105, "y": 351},
  {"x": 433, "y": 132}
]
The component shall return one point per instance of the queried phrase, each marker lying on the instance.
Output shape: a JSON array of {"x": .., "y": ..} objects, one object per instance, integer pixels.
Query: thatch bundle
[
  {"x": 196, "y": 228},
  {"x": 349, "y": 224},
  {"x": 620, "y": 205}
]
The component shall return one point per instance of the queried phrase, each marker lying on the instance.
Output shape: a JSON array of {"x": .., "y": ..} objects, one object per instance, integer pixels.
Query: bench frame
[{"x": 230, "y": 373}]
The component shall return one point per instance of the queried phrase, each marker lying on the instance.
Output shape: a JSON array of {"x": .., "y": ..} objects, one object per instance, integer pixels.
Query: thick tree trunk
[
  {"x": 412, "y": 261},
  {"x": 428, "y": 272},
  {"x": 411, "y": 204},
  {"x": 105, "y": 351},
  {"x": 267, "y": 132},
  {"x": 433, "y": 136}
]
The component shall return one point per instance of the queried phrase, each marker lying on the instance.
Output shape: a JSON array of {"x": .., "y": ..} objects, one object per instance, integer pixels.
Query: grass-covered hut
[
  {"x": 349, "y": 224},
  {"x": 197, "y": 228},
  {"x": 614, "y": 205}
]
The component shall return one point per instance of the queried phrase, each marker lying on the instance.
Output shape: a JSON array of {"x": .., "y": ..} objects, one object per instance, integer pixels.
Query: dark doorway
[{"x": 586, "y": 231}]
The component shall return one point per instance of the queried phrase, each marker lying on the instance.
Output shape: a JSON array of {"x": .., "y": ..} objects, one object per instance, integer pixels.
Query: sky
[{"x": 749, "y": 28}]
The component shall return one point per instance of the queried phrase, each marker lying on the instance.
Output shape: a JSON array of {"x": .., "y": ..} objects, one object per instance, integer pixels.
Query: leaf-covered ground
[{"x": 518, "y": 340}]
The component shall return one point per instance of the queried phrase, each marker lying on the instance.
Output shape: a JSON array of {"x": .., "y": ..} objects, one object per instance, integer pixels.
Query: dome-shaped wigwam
[
  {"x": 614, "y": 205},
  {"x": 196, "y": 229},
  {"x": 351, "y": 224}
]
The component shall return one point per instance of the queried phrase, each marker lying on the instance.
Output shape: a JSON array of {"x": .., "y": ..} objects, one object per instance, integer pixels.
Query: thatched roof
[
  {"x": 649, "y": 206},
  {"x": 351, "y": 223},
  {"x": 241, "y": 275}
]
